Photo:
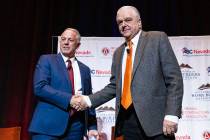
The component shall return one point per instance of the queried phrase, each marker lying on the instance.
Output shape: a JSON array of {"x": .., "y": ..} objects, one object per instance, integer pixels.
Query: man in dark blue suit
[{"x": 54, "y": 86}]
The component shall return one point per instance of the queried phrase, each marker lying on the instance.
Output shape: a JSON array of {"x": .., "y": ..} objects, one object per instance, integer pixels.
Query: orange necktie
[{"x": 126, "y": 98}]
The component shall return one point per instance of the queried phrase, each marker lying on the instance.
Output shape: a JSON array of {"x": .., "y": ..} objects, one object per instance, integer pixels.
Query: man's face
[
  {"x": 128, "y": 22},
  {"x": 69, "y": 43}
]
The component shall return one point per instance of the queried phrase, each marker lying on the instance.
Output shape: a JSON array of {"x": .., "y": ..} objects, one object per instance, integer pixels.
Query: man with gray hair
[
  {"x": 57, "y": 77},
  {"x": 146, "y": 81}
]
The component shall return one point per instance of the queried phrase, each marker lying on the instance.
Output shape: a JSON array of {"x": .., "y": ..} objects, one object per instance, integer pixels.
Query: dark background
[{"x": 27, "y": 26}]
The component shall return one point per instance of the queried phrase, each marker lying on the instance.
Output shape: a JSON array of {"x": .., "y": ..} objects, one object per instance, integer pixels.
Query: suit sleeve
[
  {"x": 172, "y": 76},
  {"x": 42, "y": 88},
  {"x": 109, "y": 91},
  {"x": 92, "y": 121}
]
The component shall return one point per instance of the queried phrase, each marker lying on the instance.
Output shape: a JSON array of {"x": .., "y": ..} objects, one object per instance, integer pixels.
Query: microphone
[{"x": 128, "y": 50}]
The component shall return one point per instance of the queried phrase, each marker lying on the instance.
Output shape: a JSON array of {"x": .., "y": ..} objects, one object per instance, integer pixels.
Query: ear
[
  {"x": 78, "y": 45},
  {"x": 140, "y": 25}
]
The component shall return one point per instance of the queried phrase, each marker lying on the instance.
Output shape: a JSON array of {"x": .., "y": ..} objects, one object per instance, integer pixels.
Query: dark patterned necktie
[
  {"x": 71, "y": 74},
  {"x": 71, "y": 77}
]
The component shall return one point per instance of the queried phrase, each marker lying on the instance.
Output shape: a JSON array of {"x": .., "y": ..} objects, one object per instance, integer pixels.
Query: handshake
[{"x": 80, "y": 102}]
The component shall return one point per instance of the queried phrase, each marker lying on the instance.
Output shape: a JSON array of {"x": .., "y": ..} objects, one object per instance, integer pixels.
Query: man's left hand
[
  {"x": 169, "y": 128},
  {"x": 93, "y": 133}
]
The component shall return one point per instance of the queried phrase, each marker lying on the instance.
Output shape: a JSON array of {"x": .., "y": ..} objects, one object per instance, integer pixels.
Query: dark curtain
[{"x": 27, "y": 27}]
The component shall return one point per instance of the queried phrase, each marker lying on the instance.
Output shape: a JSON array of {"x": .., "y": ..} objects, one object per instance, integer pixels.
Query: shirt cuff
[
  {"x": 172, "y": 118},
  {"x": 87, "y": 100}
]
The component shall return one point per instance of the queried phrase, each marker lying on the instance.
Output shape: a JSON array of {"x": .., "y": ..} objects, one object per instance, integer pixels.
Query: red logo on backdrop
[
  {"x": 83, "y": 52},
  {"x": 105, "y": 51},
  {"x": 206, "y": 135}
]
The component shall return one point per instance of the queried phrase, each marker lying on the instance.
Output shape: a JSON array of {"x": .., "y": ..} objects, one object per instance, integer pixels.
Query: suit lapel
[
  {"x": 139, "y": 52},
  {"x": 63, "y": 69},
  {"x": 65, "y": 74},
  {"x": 119, "y": 60},
  {"x": 83, "y": 75}
]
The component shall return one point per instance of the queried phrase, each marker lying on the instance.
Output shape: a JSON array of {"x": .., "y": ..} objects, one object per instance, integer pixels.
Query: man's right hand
[{"x": 78, "y": 102}]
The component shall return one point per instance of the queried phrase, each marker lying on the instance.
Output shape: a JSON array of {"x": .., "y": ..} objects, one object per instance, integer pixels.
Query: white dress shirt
[{"x": 77, "y": 75}]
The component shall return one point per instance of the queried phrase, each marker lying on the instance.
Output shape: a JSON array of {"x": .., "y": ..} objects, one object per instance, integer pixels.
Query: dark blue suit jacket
[{"x": 53, "y": 89}]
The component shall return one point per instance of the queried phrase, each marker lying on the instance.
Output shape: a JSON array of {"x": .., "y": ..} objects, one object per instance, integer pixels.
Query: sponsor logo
[
  {"x": 106, "y": 117},
  {"x": 100, "y": 73},
  {"x": 206, "y": 135},
  {"x": 182, "y": 66},
  {"x": 186, "y": 51},
  {"x": 195, "y": 52},
  {"x": 203, "y": 93},
  {"x": 204, "y": 86},
  {"x": 188, "y": 73},
  {"x": 105, "y": 51},
  {"x": 105, "y": 108},
  {"x": 84, "y": 53},
  {"x": 105, "y": 120}
]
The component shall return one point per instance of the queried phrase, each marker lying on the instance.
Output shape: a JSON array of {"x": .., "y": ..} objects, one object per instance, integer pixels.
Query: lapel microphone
[{"x": 128, "y": 50}]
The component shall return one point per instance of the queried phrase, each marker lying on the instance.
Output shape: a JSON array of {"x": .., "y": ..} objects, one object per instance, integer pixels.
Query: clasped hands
[{"x": 78, "y": 102}]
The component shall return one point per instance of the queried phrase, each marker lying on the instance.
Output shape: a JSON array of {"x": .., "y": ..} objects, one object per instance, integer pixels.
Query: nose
[
  {"x": 124, "y": 24},
  {"x": 66, "y": 41}
]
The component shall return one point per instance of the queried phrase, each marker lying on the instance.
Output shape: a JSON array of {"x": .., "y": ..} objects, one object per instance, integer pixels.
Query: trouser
[{"x": 131, "y": 128}]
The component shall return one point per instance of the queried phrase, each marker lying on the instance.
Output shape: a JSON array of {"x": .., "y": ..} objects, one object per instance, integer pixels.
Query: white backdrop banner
[{"x": 193, "y": 54}]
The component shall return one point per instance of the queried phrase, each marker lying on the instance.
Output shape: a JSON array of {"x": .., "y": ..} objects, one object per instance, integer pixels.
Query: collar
[
  {"x": 73, "y": 59},
  {"x": 136, "y": 38}
]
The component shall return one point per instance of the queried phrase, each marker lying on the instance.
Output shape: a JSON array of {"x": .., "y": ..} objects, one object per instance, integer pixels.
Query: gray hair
[
  {"x": 133, "y": 8},
  {"x": 76, "y": 31}
]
